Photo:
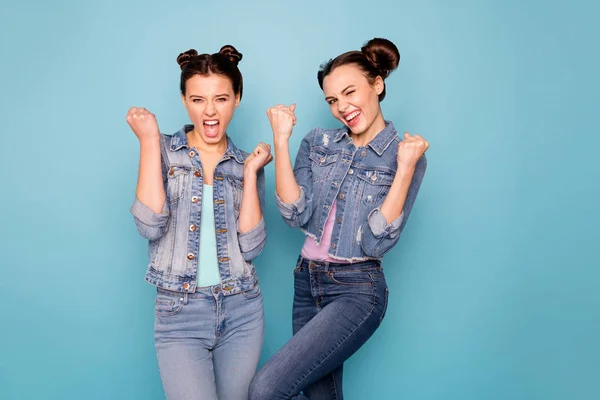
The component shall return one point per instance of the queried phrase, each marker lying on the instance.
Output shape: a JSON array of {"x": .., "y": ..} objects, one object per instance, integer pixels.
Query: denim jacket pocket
[
  {"x": 322, "y": 163},
  {"x": 177, "y": 178},
  {"x": 376, "y": 185}
]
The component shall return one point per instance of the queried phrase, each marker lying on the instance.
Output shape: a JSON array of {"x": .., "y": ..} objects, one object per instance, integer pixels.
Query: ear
[
  {"x": 237, "y": 101},
  {"x": 379, "y": 85}
]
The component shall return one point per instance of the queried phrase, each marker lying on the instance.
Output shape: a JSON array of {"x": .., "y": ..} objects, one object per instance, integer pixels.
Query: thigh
[
  {"x": 183, "y": 339},
  {"x": 305, "y": 306},
  {"x": 238, "y": 349},
  {"x": 186, "y": 371},
  {"x": 317, "y": 349}
]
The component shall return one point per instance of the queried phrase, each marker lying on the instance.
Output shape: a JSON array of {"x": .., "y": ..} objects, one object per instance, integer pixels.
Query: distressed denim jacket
[
  {"x": 174, "y": 233},
  {"x": 330, "y": 167}
]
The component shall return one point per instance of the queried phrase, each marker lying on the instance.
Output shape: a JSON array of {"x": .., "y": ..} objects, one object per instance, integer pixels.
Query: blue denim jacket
[
  {"x": 174, "y": 233},
  {"x": 330, "y": 167}
]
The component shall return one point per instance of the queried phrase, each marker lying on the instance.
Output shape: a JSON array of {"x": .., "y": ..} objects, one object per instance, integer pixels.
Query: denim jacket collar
[
  {"x": 179, "y": 140},
  {"x": 379, "y": 143}
]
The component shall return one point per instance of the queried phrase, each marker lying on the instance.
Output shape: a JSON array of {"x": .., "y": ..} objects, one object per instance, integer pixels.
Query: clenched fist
[
  {"x": 143, "y": 123},
  {"x": 260, "y": 157},
  {"x": 282, "y": 120},
  {"x": 411, "y": 149}
]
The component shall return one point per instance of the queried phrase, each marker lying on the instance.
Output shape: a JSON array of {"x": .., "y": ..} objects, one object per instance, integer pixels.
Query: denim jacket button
[
  {"x": 193, "y": 228},
  {"x": 373, "y": 177},
  {"x": 363, "y": 153},
  {"x": 186, "y": 285},
  {"x": 194, "y": 199},
  {"x": 171, "y": 171},
  {"x": 342, "y": 196},
  {"x": 350, "y": 171},
  {"x": 190, "y": 256},
  {"x": 192, "y": 154},
  {"x": 198, "y": 174}
]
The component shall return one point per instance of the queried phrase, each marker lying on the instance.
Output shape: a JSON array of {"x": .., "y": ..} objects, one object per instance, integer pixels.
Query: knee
[{"x": 262, "y": 388}]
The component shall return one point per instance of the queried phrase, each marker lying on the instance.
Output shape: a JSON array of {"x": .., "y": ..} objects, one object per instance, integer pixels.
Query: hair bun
[
  {"x": 383, "y": 54},
  {"x": 184, "y": 58},
  {"x": 231, "y": 53}
]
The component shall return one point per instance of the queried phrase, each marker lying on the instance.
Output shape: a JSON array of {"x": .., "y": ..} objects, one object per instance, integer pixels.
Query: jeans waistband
[{"x": 305, "y": 263}]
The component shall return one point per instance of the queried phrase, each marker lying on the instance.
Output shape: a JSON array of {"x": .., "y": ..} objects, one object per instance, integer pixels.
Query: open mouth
[
  {"x": 211, "y": 128},
  {"x": 353, "y": 118}
]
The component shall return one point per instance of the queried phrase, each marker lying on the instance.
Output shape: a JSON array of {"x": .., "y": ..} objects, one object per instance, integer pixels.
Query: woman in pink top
[{"x": 351, "y": 192}]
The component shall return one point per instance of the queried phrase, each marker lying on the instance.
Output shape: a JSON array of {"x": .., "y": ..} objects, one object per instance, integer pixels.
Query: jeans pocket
[
  {"x": 252, "y": 293},
  {"x": 352, "y": 278},
  {"x": 166, "y": 306}
]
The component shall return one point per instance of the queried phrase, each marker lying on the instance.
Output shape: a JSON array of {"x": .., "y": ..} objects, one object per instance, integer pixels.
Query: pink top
[{"x": 318, "y": 252}]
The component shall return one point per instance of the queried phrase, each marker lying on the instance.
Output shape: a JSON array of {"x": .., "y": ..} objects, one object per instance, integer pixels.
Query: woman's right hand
[
  {"x": 282, "y": 120},
  {"x": 143, "y": 123}
]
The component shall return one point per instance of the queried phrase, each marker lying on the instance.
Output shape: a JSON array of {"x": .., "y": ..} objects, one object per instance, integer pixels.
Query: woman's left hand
[
  {"x": 260, "y": 157},
  {"x": 411, "y": 149}
]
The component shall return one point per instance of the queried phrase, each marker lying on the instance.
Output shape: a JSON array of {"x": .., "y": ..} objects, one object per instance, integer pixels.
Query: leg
[
  {"x": 305, "y": 308},
  {"x": 351, "y": 308},
  {"x": 328, "y": 387},
  {"x": 239, "y": 344},
  {"x": 183, "y": 337}
]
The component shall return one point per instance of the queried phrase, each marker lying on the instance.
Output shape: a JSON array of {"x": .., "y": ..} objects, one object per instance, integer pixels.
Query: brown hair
[
  {"x": 222, "y": 63},
  {"x": 378, "y": 57}
]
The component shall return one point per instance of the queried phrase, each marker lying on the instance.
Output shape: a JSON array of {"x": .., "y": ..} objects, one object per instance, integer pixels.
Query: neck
[
  {"x": 362, "y": 139},
  {"x": 195, "y": 140}
]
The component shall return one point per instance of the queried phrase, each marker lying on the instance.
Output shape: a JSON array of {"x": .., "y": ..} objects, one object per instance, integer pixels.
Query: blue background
[{"x": 494, "y": 284}]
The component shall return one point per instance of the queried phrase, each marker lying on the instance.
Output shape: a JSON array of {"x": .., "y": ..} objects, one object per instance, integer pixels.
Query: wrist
[
  {"x": 281, "y": 143},
  {"x": 249, "y": 173},
  {"x": 150, "y": 140},
  {"x": 405, "y": 170}
]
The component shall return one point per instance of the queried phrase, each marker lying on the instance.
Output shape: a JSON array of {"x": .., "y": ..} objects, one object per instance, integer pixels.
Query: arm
[
  {"x": 380, "y": 234},
  {"x": 252, "y": 233},
  {"x": 150, "y": 208},
  {"x": 293, "y": 185},
  {"x": 382, "y": 229}
]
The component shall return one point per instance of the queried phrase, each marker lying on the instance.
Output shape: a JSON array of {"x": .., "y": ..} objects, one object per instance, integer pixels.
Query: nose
[
  {"x": 210, "y": 109},
  {"x": 342, "y": 106}
]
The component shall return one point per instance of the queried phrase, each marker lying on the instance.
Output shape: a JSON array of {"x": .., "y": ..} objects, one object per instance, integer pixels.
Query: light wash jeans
[{"x": 208, "y": 345}]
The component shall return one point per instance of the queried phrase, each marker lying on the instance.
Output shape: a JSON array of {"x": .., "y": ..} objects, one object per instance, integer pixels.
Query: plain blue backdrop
[{"x": 494, "y": 286}]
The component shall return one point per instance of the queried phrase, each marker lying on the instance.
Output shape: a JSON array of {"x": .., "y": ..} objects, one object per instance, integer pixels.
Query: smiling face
[
  {"x": 354, "y": 100},
  {"x": 210, "y": 102}
]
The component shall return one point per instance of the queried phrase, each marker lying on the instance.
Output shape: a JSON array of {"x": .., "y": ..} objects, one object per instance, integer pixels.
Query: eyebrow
[
  {"x": 343, "y": 91},
  {"x": 218, "y": 95}
]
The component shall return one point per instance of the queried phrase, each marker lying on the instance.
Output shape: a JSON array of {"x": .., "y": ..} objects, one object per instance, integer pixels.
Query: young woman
[
  {"x": 199, "y": 202},
  {"x": 351, "y": 192}
]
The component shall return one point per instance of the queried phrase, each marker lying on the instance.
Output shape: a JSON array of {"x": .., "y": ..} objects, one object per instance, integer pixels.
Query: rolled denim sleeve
[
  {"x": 252, "y": 242},
  {"x": 299, "y": 212},
  {"x": 378, "y": 237},
  {"x": 150, "y": 224}
]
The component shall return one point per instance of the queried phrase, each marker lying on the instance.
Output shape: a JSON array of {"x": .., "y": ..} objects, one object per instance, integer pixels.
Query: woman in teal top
[{"x": 199, "y": 202}]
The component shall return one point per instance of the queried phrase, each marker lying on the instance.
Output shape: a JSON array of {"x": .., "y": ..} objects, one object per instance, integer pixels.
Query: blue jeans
[
  {"x": 337, "y": 307},
  {"x": 208, "y": 345}
]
